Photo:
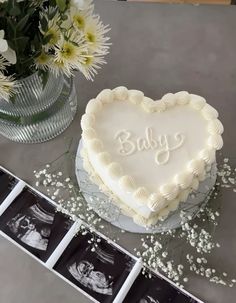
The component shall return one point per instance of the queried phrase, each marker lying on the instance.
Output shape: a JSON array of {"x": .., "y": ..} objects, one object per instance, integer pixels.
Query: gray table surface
[{"x": 156, "y": 48}]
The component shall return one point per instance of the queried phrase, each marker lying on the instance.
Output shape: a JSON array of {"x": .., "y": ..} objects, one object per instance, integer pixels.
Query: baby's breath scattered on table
[{"x": 175, "y": 252}]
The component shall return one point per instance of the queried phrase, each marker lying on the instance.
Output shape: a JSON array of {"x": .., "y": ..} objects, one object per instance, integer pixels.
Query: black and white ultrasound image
[
  {"x": 7, "y": 183},
  {"x": 34, "y": 223},
  {"x": 100, "y": 272},
  {"x": 155, "y": 290}
]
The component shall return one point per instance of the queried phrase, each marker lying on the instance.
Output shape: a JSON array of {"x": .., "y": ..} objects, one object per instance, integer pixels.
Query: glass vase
[{"x": 40, "y": 111}]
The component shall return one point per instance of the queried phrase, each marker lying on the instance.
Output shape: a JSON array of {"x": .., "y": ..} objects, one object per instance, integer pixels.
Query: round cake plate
[{"x": 110, "y": 212}]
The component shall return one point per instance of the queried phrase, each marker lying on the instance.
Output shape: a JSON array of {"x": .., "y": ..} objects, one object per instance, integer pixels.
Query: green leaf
[
  {"x": 44, "y": 24},
  {"x": 37, "y": 42},
  {"x": 21, "y": 24},
  {"x": 10, "y": 4},
  {"x": 15, "y": 11},
  {"x": 61, "y": 4},
  {"x": 10, "y": 28},
  {"x": 30, "y": 10},
  {"x": 44, "y": 76},
  {"x": 21, "y": 43}
]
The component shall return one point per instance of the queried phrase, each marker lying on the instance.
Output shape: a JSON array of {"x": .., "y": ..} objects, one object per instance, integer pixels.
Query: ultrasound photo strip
[
  {"x": 34, "y": 223},
  {"x": 186, "y": 298},
  {"x": 61, "y": 248},
  {"x": 129, "y": 281},
  {"x": 97, "y": 267},
  {"x": 63, "y": 244},
  {"x": 66, "y": 240},
  {"x": 7, "y": 183},
  {"x": 52, "y": 202},
  {"x": 12, "y": 195}
]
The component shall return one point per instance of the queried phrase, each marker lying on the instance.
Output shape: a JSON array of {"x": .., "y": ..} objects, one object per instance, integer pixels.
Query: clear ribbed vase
[{"x": 40, "y": 111}]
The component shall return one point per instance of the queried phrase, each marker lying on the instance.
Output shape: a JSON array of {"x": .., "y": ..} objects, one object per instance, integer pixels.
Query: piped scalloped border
[
  {"x": 170, "y": 193},
  {"x": 126, "y": 210}
]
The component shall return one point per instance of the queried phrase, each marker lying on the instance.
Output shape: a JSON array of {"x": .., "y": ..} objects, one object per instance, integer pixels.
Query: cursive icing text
[{"x": 163, "y": 144}]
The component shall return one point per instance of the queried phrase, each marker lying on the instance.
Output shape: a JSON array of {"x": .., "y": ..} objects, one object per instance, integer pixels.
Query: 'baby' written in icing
[{"x": 163, "y": 144}]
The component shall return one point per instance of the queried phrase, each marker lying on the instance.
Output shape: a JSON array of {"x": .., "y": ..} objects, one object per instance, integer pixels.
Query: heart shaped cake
[{"x": 147, "y": 155}]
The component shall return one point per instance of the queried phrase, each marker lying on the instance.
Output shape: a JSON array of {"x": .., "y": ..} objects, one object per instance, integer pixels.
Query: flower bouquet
[{"x": 42, "y": 44}]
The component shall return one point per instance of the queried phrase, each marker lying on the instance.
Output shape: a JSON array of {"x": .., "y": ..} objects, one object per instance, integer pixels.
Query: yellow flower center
[
  {"x": 43, "y": 58},
  {"x": 90, "y": 37},
  {"x": 7, "y": 88},
  {"x": 79, "y": 21},
  {"x": 88, "y": 60},
  {"x": 68, "y": 51}
]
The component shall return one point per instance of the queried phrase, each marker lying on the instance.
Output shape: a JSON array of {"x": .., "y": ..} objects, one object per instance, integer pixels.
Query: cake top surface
[
  {"x": 152, "y": 147},
  {"x": 159, "y": 146}
]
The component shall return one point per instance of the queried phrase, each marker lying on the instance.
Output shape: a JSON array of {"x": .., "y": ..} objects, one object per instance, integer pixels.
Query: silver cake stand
[{"x": 110, "y": 212}]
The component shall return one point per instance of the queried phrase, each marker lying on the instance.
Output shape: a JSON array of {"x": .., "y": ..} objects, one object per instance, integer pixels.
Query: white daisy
[
  {"x": 70, "y": 49},
  {"x": 8, "y": 53},
  {"x": 3, "y": 63},
  {"x": 53, "y": 28},
  {"x": 7, "y": 87},
  {"x": 43, "y": 61},
  {"x": 91, "y": 65},
  {"x": 78, "y": 18},
  {"x": 94, "y": 32},
  {"x": 59, "y": 67}
]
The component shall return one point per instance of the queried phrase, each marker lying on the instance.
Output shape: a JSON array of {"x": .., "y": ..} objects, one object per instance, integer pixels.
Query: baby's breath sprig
[{"x": 175, "y": 253}]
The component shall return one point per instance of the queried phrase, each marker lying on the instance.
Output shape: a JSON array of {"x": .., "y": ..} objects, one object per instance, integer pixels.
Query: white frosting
[
  {"x": 159, "y": 106},
  {"x": 148, "y": 105},
  {"x": 182, "y": 98},
  {"x": 120, "y": 93},
  {"x": 150, "y": 154},
  {"x": 169, "y": 191},
  {"x": 196, "y": 167},
  {"x": 174, "y": 205},
  {"x": 141, "y": 194},
  {"x": 93, "y": 106},
  {"x": 183, "y": 196},
  {"x": 162, "y": 145},
  {"x": 139, "y": 220},
  {"x": 136, "y": 96},
  {"x": 209, "y": 112},
  {"x": 89, "y": 134},
  {"x": 202, "y": 176},
  {"x": 127, "y": 183},
  {"x": 114, "y": 170},
  {"x": 169, "y": 100},
  {"x": 95, "y": 145},
  {"x": 208, "y": 155},
  {"x": 104, "y": 158},
  {"x": 184, "y": 180},
  {"x": 105, "y": 96},
  {"x": 164, "y": 213},
  {"x": 215, "y": 127},
  {"x": 166, "y": 147},
  {"x": 215, "y": 141},
  {"x": 156, "y": 201},
  {"x": 197, "y": 102},
  {"x": 87, "y": 121}
]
